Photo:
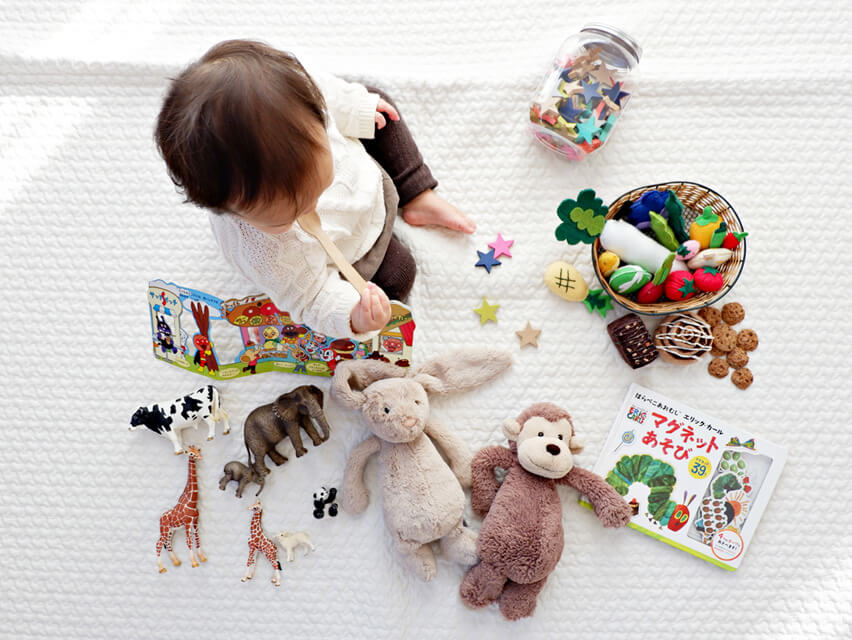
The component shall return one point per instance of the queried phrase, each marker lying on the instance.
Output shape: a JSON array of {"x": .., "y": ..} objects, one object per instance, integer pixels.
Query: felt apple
[
  {"x": 708, "y": 279},
  {"x": 679, "y": 285},
  {"x": 650, "y": 293}
]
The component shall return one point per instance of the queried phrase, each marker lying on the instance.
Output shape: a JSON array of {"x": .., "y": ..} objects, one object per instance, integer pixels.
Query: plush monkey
[{"x": 521, "y": 538}]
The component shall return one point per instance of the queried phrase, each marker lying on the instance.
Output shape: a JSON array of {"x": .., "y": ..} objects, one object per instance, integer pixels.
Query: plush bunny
[{"x": 422, "y": 497}]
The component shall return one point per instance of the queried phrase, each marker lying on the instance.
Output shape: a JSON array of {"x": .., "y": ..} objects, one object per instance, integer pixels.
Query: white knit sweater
[{"x": 292, "y": 268}]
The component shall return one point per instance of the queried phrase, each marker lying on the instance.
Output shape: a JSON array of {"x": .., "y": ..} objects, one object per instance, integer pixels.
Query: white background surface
[{"x": 749, "y": 98}]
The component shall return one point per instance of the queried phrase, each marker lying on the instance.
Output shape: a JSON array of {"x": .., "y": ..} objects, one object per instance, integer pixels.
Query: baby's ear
[
  {"x": 576, "y": 444},
  {"x": 512, "y": 428}
]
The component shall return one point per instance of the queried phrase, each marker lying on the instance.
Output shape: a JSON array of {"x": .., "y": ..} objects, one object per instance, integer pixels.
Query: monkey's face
[{"x": 544, "y": 448}]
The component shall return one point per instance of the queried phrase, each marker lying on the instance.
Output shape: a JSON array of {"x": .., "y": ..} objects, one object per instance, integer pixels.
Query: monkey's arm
[
  {"x": 454, "y": 448},
  {"x": 485, "y": 485},
  {"x": 610, "y": 508},
  {"x": 355, "y": 496}
]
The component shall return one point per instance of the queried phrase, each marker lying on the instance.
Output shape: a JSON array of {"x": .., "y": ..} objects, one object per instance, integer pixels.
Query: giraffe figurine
[
  {"x": 183, "y": 514},
  {"x": 259, "y": 542}
]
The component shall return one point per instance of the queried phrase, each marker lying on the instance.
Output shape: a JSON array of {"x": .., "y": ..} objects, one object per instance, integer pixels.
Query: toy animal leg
[
  {"x": 174, "y": 438},
  {"x": 420, "y": 559},
  {"x": 459, "y": 545},
  {"x": 222, "y": 415},
  {"x": 277, "y": 458},
  {"x": 241, "y": 486},
  {"x": 211, "y": 427},
  {"x": 175, "y": 560},
  {"x": 293, "y": 432},
  {"x": 201, "y": 555},
  {"x": 250, "y": 564},
  {"x": 519, "y": 600},
  {"x": 482, "y": 585},
  {"x": 224, "y": 480},
  {"x": 290, "y": 554},
  {"x": 310, "y": 429},
  {"x": 189, "y": 545},
  {"x": 160, "y": 543}
]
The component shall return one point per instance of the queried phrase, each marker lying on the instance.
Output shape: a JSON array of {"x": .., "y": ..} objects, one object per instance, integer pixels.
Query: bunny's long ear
[
  {"x": 461, "y": 369},
  {"x": 351, "y": 377}
]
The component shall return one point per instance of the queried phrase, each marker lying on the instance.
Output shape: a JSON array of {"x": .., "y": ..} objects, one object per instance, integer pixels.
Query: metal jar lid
[{"x": 616, "y": 34}]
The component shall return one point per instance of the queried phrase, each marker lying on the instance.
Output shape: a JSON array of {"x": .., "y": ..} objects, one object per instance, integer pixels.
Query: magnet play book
[
  {"x": 693, "y": 482},
  {"x": 236, "y": 337}
]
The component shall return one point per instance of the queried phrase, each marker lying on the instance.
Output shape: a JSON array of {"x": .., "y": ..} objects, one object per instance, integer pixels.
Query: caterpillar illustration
[{"x": 655, "y": 474}]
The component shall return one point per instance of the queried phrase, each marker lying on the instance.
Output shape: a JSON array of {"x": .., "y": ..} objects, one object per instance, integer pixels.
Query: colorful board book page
[
  {"x": 693, "y": 482},
  {"x": 224, "y": 339}
]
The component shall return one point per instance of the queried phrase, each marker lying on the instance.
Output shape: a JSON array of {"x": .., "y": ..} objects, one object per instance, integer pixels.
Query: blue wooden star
[
  {"x": 615, "y": 93},
  {"x": 487, "y": 260},
  {"x": 590, "y": 91},
  {"x": 567, "y": 111},
  {"x": 587, "y": 129}
]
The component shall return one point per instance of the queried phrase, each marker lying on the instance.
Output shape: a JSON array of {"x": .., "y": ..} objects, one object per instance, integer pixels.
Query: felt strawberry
[
  {"x": 650, "y": 293},
  {"x": 679, "y": 285},
  {"x": 732, "y": 240},
  {"x": 708, "y": 279}
]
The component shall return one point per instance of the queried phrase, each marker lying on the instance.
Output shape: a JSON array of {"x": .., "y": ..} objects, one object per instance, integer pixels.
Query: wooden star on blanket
[
  {"x": 487, "y": 312},
  {"x": 528, "y": 336}
]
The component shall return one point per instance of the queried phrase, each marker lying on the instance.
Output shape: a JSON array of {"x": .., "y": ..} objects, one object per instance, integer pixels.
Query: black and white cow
[{"x": 170, "y": 418}]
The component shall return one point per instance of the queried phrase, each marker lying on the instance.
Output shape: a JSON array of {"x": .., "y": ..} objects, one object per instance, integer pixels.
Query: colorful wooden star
[
  {"x": 615, "y": 93},
  {"x": 487, "y": 260},
  {"x": 487, "y": 312},
  {"x": 501, "y": 247},
  {"x": 567, "y": 89},
  {"x": 587, "y": 129},
  {"x": 602, "y": 74},
  {"x": 567, "y": 111},
  {"x": 590, "y": 91},
  {"x": 528, "y": 336}
]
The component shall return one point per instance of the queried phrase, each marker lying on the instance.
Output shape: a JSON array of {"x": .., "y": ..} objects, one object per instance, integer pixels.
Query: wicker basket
[{"x": 694, "y": 197}]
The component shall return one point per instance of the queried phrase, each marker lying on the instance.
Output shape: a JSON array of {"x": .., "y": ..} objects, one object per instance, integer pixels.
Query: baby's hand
[
  {"x": 387, "y": 108},
  {"x": 372, "y": 312}
]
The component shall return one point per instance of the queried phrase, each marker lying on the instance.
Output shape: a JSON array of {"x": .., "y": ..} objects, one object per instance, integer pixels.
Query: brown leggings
[{"x": 396, "y": 152}]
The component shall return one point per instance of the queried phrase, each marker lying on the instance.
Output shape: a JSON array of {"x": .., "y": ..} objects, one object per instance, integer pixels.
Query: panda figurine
[{"x": 324, "y": 497}]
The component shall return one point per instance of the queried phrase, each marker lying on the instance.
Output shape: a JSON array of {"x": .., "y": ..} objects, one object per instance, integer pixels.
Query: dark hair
[{"x": 235, "y": 126}]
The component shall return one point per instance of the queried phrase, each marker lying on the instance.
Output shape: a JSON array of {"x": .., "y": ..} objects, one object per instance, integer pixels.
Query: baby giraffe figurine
[
  {"x": 259, "y": 542},
  {"x": 183, "y": 514}
]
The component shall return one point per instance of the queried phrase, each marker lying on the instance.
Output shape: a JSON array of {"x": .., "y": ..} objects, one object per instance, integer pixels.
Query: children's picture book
[
  {"x": 224, "y": 339},
  {"x": 692, "y": 481}
]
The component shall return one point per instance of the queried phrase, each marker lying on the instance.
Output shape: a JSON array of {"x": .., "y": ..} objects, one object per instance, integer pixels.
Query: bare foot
[{"x": 430, "y": 208}]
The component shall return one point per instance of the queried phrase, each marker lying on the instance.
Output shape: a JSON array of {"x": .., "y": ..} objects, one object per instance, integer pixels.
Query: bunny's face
[{"x": 396, "y": 409}]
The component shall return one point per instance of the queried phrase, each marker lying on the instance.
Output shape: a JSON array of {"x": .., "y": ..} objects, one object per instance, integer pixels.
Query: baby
[{"x": 247, "y": 133}]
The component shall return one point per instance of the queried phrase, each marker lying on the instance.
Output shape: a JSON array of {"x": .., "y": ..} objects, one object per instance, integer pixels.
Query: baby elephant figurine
[
  {"x": 292, "y": 541},
  {"x": 269, "y": 424},
  {"x": 422, "y": 497},
  {"x": 241, "y": 474}
]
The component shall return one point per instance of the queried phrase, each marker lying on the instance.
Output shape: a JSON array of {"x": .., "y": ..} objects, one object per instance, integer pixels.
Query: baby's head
[{"x": 243, "y": 130}]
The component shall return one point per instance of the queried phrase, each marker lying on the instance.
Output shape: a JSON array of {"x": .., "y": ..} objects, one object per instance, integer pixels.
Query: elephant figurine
[
  {"x": 237, "y": 472},
  {"x": 269, "y": 424}
]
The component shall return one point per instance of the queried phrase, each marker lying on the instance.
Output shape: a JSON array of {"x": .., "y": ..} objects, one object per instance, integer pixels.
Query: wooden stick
[{"x": 310, "y": 222}]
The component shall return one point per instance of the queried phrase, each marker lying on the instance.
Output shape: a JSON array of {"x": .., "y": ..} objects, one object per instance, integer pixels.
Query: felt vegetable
[
  {"x": 719, "y": 236},
  {"x": 664, "y": 270},
  {"x": 650, "y": 293},
  {"x": 674, "y": 207},
  {"x": 647, "y": 202},
  {"x": 582, "y": 219},
  {"x": 663, "y": 231},
  {"x": 564, "y": 280},
  {"x": 607, "y": 263},
  {"x": 704, "y": 226},
  {"x": 732, "y": 240},
  {"x": 629, "y": 278},
  {"x": 679, "y": 285},
  {"x": 599, "y": 301},
  {"x": 708, "y": 279},
  {"x": 710, "y": 258},
  {"x": 688, "y": 250},
  {"x": 633, "y": 246}
]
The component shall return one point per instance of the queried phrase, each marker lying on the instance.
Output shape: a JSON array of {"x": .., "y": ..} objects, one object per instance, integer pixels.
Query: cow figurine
[{"x": 170, "y": 418}]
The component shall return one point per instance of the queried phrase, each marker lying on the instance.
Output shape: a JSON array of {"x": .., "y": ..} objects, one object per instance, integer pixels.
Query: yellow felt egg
[
  {"x": 565, "y": 281},
  {"x": 608, "y": 262}
]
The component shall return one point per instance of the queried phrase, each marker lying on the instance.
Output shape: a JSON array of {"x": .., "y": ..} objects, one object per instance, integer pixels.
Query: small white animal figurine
[
  {"x": 292, "y": 541},
  {"x": 259, "y": 542},
  {"x": 170, "y": 418}
]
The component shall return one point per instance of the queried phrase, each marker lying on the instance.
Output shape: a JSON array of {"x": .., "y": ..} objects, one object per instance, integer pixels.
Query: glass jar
[{"x": 588, "y": 87}]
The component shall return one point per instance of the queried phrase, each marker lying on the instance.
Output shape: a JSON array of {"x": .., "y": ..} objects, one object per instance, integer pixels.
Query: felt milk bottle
[{"x": 588, "y": 87}]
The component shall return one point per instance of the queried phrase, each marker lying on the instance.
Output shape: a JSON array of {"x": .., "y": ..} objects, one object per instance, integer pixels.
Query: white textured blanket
[{"x": 749, "y": 98}]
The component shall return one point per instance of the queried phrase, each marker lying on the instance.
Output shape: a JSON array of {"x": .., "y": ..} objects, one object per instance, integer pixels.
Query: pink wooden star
[{"x": 501, "y": 246}]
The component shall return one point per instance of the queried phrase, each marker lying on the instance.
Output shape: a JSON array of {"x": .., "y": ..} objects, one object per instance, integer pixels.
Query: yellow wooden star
[
  {"x": 487, "y": 312},
  {"x": 528, "y": 336}
]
